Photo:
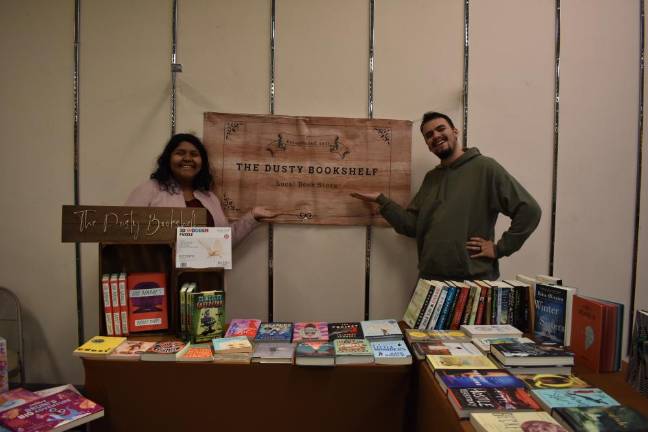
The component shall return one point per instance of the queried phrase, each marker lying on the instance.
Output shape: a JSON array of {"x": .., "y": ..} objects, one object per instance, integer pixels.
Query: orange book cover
[
  {"x": 147, "y": 302},
  {"x": 587, "y": 332}
]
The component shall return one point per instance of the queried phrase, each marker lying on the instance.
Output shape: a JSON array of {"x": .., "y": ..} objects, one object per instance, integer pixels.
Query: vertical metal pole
[
  {"x": 272, "y": 111},
  {"x": 465, "y": 71},
  {"x": 372, "y": 13},
  {"x": 175, "y": 67},
  {"x": 77, "y": 246},
  {"x": 554, "y": 182}
]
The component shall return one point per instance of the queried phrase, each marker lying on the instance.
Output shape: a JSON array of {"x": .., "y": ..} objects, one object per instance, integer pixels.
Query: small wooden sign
[{"x": 127, "y": 224}]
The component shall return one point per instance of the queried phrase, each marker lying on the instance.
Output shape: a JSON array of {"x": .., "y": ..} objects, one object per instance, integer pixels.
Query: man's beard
[{"x": 444, "y": 154}]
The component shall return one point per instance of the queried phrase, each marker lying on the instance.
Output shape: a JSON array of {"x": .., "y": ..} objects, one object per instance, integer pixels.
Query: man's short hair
[{"x": 431, "y": 115}]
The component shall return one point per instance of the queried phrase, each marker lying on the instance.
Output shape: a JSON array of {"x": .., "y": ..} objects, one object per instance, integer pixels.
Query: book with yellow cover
[
  {"x": 460, "y": 362},
  {"x": 99, "y": 346}
]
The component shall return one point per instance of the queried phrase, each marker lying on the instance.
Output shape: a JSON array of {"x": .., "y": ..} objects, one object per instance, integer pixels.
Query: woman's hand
[{"x": 262, "y": 212}]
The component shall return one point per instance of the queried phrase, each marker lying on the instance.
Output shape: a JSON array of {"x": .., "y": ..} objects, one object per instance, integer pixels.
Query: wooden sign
[
  {"x": 306, "y": 167},
  {"x": 127, "y": 224}
]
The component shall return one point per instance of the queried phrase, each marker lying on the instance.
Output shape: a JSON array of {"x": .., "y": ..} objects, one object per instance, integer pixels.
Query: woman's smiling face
[{"x": 185, "y": 162}]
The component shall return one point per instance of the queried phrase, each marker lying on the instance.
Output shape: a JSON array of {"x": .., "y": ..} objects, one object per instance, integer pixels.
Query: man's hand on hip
[{"x": 481, "y": 248}]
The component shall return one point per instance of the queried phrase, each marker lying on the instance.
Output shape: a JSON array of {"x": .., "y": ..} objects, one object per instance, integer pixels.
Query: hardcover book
[
  {"x": 313, "y": 353},
  {"x": 208, "y": 319},
  {"x": 382, "y": 329},
  {"x": 130, "y": 350},
  {"x": 236, "y": 344},
  {"x": 572, "y": 398},
  {"x": 528, "y": 354},
  {"x": 274, "y": 352},
  {"x": 353, "y": 351},
  {"x": 60, "y": 411},
  {"x": 345, "y": 330},
  {"x": 196, "y": 353},
  {"x": 310, "y": 331},
  {"x": 243, "y": 327},
  {"x": 391, "y": 352},
  {"x": 417, "y": 303},
  {"x": 274, "y": 332},
  {"x": 99, "y": 346},
  {"x": 485, "y": 343},
  {"x": 495, "y": 330},
  {"x": 107, "y": 303},
  {"x": 476, "y": 378},
  {"x": 471, "y": 400},
  {"x": 587, "y": 332},
  {"x": 553, "y": 313},
  {"x": 504, "y": 421},
  {"x": 552, "y": 381},
  {"x": 163, "y": 351},
  {"x": 602, "y": 419},
  {"x": 147, "y": 302},
  {"x": 460, "y": 362}
]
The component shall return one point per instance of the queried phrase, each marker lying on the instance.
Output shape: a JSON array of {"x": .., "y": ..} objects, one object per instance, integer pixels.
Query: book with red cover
[
  {"x": 59, "y": 411},
  {"x": 459, "y": 308},
  {"x": 482, "y": 304},
  {"x": 147, "y": 302},
  {"x": 588, "y": 318},
  {"x": 123, "y": 304},
  {"x": 243, "y": 327}
]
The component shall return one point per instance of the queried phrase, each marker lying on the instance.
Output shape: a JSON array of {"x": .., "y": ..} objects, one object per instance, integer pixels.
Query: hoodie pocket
[{"x": 443, "y": 257}]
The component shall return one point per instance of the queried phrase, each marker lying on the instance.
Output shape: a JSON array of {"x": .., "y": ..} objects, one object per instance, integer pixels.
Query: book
[
  {"x": 485, "y": 343},
  {"x": 130, "y": 350},
  {"x": 243, "y": 327},
  {"x": 638, "y": 363},
  {"x": 310, "y": 331},
  {"x": 123, "y": 303},
  {"x": 547, "y": 279},
  {"x": 386, "y": 329},
  {"x": 436, "y": 288},
  {"x": 315, "y": 353},
  {"x": 475, "y": 378},
  {"x": 440, "y": 362},
  {"x": 438, "y": 306},
  {"x": 462, "y": 298},
  {"x": 183, "y": 308},
  {"x": 416, "y": 307},
  {"x": 163, "y": 351},
  {"x": 208, "y": 315},
  {"x": 99, "y": 346},
  {"x": 553, "y": 313},
  {"x": 235, "y": 344},
  {"x": 147, "y": 302},
  {"x": 274, "y": 352},
  {"x": 551, "y": 399},
  {"x": 495, "y": 330},
  {"x": 552, "y": 381},
  {"x": 530, "y": 283},
  {"x": 504, "y": 421},
  {"x": 345, "y": 330},
  {"x": 414, "y": 335},
  {"x": 534, "y": 370},
  {"x": 107, "y": 303},
  {"x": 18, "y": 396},
  {"x": 59, "y": 411},
  {"x": 440, "y": 347},
  {"x": 353, "y": 351},
  {"x": 114, "y": 301},
  {"x": 196, "y": 353},
  {"x": 602, "y": 419},
  {"x": 233, "y": 358},
  {"x": 525, "y": 354},
  {"x": 274, "y": 332},
  {"x": 483, "y": 399},
  {"x": 391, "y": 353},
  {"x": 587, "y": 332},
  {"x": 204, "y": 247}
]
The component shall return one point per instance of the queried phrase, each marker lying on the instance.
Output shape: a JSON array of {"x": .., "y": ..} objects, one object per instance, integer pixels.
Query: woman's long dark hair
[{"x": 203, "y": 180}]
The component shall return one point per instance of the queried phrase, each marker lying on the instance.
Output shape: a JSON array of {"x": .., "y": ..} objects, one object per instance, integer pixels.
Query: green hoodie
[{"x": 457, "y": 202}]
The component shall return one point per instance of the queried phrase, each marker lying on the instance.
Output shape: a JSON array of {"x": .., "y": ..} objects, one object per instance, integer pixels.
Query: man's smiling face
[{"x": 440, "y": 137}]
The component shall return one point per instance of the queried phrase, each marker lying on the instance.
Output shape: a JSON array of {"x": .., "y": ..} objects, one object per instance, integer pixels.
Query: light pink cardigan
[{"x": 149, "y": 194}]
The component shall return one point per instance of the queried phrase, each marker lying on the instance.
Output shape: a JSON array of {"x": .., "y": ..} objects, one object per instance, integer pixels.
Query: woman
[{"x": 183, "y": 179}]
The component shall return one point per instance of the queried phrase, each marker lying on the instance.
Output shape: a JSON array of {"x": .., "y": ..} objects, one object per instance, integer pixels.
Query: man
[{"x": 453, "y": 214}]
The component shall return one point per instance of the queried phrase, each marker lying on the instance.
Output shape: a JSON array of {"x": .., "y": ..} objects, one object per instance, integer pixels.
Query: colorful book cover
[
  {"x": 310, "y": 331},
  {"x": 460, "y": 362},
  {"x": 13, "y": 398},
  {"x": 243, "y": 327},
  {"x": 573, "y": 398},
  {"x": 551, "y": 306},
  {"x": 603, "y": 419},
  {"x": 345, "y": 330},
  {"x": 105, "y": 290},
  {"x": 114, "y": 300},
  {"x": 476, "y": 378},
  {"x": 196, "y": 353},
  {"x": 130, "y": 350},
  {"x": 552, "y": 381},
  {"x": 490, "y": 399},
  {"x": 65, "y": 408},
  {"x": 99, "y": 346},
  {"x": 485, "y": 343},
  {"x": 315, "y": 353},
  {"x": 234, "y": 344},
  {"x": 446, "y": 309},
  {"x": 147, "y": 302},
  {"x": 123, "y": 303},
  {"x": 274, "y": 332},
  {"x": 381, "y": 329},
  {"x": 208, "y": 320},
  {"x": 352, "y": 347},
  {"x": 391, "y": 352},
  {"x": 509, "y": 421},
  {"x": 440, "y": 347},
  {"x": 533, "y": 351},
  {"x": 163, "y": 351},
  {"x": 588, "y": 318}
]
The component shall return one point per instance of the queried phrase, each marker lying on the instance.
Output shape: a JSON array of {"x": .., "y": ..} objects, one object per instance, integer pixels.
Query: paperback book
[
  {"x": 473, "y": 400},
  {"x": 495, "y": 330},
  {"x": 414, "y": 335},
  {"x": 208, "y": 318},
  {"x": 274, "y": 332},
  {"x": 505, "y": 421},
  {"x": 485, "y": 343},
  {"x": 229, "y": 345},
  {"x": 99, "y": 346},
  {"x": 602, "y": 419},
  {"x": 553, "y": 313},
  {"x": 551, "y": 399},
  {"x": 381, "y": 330},
  {"x": 345, "y": 330},
  {"x": 310, "y": 331},
  {"x": 130, "y": 350},
  {"x": 391, "y": 353},
  {"x": 313, "y": 353},
  {"x": 476, "y": 378},
  {"x": 196, "y": 353},
  {"x": 274, "y": 352},
  {"x": 552, "y": 381},
  {"x": 353, "y": 351},
  {"x": 440, "y": 362},
  {"x": 147, "y": 302},
  {"x": 529, "y": 354},
  {"x": 163, "y": 351},
  {"x": 243, "y": 327}
]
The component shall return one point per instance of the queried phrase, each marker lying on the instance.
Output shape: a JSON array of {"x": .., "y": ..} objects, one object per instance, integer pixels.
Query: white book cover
[{"x": 204, "y": 247}]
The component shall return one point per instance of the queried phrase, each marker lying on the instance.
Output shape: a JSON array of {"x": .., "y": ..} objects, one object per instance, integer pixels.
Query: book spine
[
  {"x": 450, "y": 313},
  {"x": 480, "y": 308},
  {"x": 437, "y": 308},
  {"x": 105, "y": 288},
  {"x": 114, "y": 296},
  {"x": 123, "y": 304},
  {"x": 461, "y": 305},
  {"x": 475, "y": 305},
  {"x": 436, "y": 292},
  {"x": 465, "y": 319},
  {"x": 489, "y": 303},
  {"x": 525, "y": 325},
  {"x": 421, "y": 312},
  {"x": 494, "y": 306},
  {"x": 443, "y": 316}
]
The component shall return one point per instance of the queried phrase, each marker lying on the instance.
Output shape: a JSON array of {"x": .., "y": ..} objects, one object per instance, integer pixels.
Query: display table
[
  {"x": 169, "y": 396},
  {"x": 436, "y": 413}
]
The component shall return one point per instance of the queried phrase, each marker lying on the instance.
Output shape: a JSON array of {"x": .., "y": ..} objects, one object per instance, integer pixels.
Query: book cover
[
  {"x": 505, "y": 421},
  {"x": 208, "y": 320},
  {"x": 459, "y": 308},
  {"x": 196, "y": 353},
  {"x": 466, "y": 400},
  {"x": 587, "y": 331},
  {"x": 479, "y": 318},
  {"x": 123, "y": 303},
  {"x": 353, "y": 351},
  {"x": 114, "y": 301},
  {"x": 381, "y": 329},
  {"x": 528, "y": 354},
  {"x": 415, "y": 308},
  {"x": 204, "y": 247},
  {"x": 460, "y": 362},
  {"x": 234, "y": 344},
  {"x": 274, "y": 332},
  {"x": 493, "y": 330},
  {"x": 310, "y": 331},
  {"x": 573, "y": 398},
  {"x": 243, "y": 327},
  {"x": 147, "y": 302},
  {"x": 439, "y": 347},
  {"x": 13, "y": 398},
  {"x": 445, "y": 309},
  {"x": 391, "y": 352},
  {"x": 99, "y": 346},
  {"x": 438, "y": 307},
  {"x": 62, "y": 409},
  {"x": 474, "y": 307},
  {"x": 603, "y": 419},
  {"x": 107, "y": 303},
  {"x": 414, "y": 335},
  {"x": 315, "y": 353},
  {"x": 274, "y": 352},
  {"x": 476, "y": 378},
  {"x": 552, "y": 381},
  {"x": 485, "y": 343},
  {"x": 345, "y": 330},
  {"x": 163, "y": 351},
  {"x": 130, "y": 350},
  {"x": 436, "y": 289},
  {"x": 551, "y": 307}
]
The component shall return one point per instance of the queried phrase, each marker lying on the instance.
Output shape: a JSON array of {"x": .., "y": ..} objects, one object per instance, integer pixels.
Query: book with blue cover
[
  {"x": 551, "y": 307},
  {"x": 274, "y": 332},
  {"x": 445, "y": 310},
  {"x": 391, "y": 352},
  {"x": 551, "y": 399},
  {"x": 476, "y": 378}
]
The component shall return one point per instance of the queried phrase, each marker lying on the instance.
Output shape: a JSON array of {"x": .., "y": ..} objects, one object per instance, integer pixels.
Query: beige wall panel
[
  {"x": 224, "y": 48},
  {"x": 418, "y": 67},
  {"x": 641, "y": 291},
  {"x": 597, "y": 156},
  {"x": 125, "y": 81},
  {"x": 510, "y": 116},
  {"x": 321, "y": 70},
  {"x": 37, "y": 178}
]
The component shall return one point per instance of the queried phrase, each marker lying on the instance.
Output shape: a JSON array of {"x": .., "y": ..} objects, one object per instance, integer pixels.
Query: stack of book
[
  {"x": 638, "y": 364},
  {"x": 529, "y": 358},
  {"x": 273, "y": 343},
  {"x": 202, "y": 313},
  {"x": 232, "y": 349}
]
